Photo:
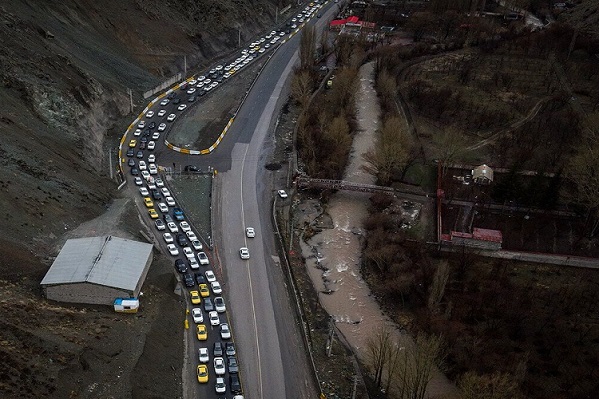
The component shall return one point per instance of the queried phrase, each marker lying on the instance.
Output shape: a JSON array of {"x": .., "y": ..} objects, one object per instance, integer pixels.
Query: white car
[
  {"x": 170, "y": 201},
  {"x": 201, "y": 77},
  {"x": 149, "y": 114},
  {"x": 244, "y": 253},
  {"x": 159, "y": 183},
  {"x": 282, "y": 193},
  {"x": 185, "y": 226},
  {"x": 197, "y": 315},
  {"x": 164, "y": 102},
  {"x": 161, "y": 113},
  {"x": 219, "y": 304},
  {"x": 182, "y": 107},
  {"x": 142, "y": 165},
  {"x": 153, "y": 169},
  {"x": 172, "y": 248},
  {"x": 191, "y": 90},
  {"x": 249, "y": 232},
  {"x": 219, "y": 364},
  {"x": 189, "y": 252},
  {"x": 193, "y": 263},
  {"x": 163, "y": 207},
  {"x": 145, "y": 174},
  {"x": 165, "y": 192},
  {"x": 214, "y": 319},
  {"x": 203, "y": 354},
  {"x": 197, "y": 245},
  {"x": 203, "y": 258},
  {"x": 151, "y": 157},
  {"x": 191, "y": 236},
  {"x": 210, "y": 276},
  {"x": 141, "y": 124},
  {"x": 192, "y": 82},
  {"x": 138, "y": 181},
  {"x": 225, "y": 333},
  {"x": 216, "y": 288},
  {"x": 171, "y": 117},
  {"x": 151, "y": 145},
  {"x": 162, "y": 127},
  {"x": 220, "y": 386},
  {"x": 160, "y": 225},
  {"x": 172, "y": 227},
  {"x": 155, "y": 135},
  {"x": 144, "y": 191},
  {"x": 137, "y": 132},
  {"x": 168, "y": 238}
]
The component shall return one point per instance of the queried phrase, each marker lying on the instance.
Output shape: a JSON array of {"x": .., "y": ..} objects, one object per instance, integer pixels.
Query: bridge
[{"x": 329, "y": 184}]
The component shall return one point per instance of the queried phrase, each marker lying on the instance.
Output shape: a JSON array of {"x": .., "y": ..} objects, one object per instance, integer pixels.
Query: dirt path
[{"x": 333, "y": 256}]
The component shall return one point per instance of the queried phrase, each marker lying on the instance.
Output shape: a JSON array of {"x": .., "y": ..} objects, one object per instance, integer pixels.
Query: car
[
  {"x": 244, "y": 253},
  {"x": 161, "y": 113},
  {"x": 151, "y": 157},
  {"x": 137, "y": 132},
  {"x": 230, "y": 349},
  {"x": 194, "y": 264},
  {"x": 192, "y": 82},
  {"x": 171, "y": 117},
  {"x": 249, "y": 232},
  {"x": 208, "y": 305},
  {"x": 151, "y": 146},
  {"x": 204, "y": 290},
  {"x": 138, "y": 181},
  {"x": 201, "y": 332},
  {"x": 225, "y": 333},
  {"x": 159, "y": 182},
  {"x": 162, "y": 127},
  {"x": 227, "y": 75},
  {"x": 195, "y": 297},
  {"x": 184, "y": 225},
  {"x": 152, "y": 125},
  {"x": 234, "y": 384},
  {"x": 203, "y": 354},
  {"x": 145, "y": 174},
  {"x": 191, "y": 168},
  {"x": 178, "y": 214},
  {"x": 200, "y": 278},
  {"x": 159, "y": 224},
  {"x": 191, "y": 99},
  {"x": 172, "y": 249},
  {"x": 219, "y": 365},
  {"x": 189, "y": 252},
  {"x": 220, "y": 386},
  {"x": 132, "y": 143},
  {"x": 282, "y": 194},
  {"x": 218, "y": 349},
  {"x": 219, "y": 304},
  {"x": 142, "y": 165},
  {"x": 153, "y": 214},
  {"x": 148, "y": 202},
  {"x": 156, "y": 194},
  {"x": 202, "y": 372},
  {"x": 198, "y": 318},
  {"x": 165, "y": 192},
  {"x": 162, "y": 207},
  {"x": 180, "y": 266},
  {"x": 167, "y": 218},
  {"x": 134, "y": 171},
  {"x": 261, "y": 50},
  {"x": 191, "y": 90},
  {"x": 189, "y": 281},
  {"x": 182, "y": 107},
  {"x": 130, "y": 152},
  {"x": 172, "y": 227},
  {"x": 170, "y": 201},
  {"x": 151, "y": 185},
  {"x": 232, "y": 365},
  {"x": 164, "y": 102},
  {"x": 155, "y": 135},
  {"x": 131, "y": 162},
  {"x": 149, "y": 114},
  {"x": 214, "y": 318},
  {"x": 201, "y": 77},
  {"x": 203, "y": 258},
  {"x": 191, "y": 235},
  {"x": 139, "y": 154},
  {"x": 216, "y": 288},
  {"x": 181, "y": 240},
  {"x": 197, "y": 245},
  {"x": 141, "y": 124},
  {"x": 210, "y": 277}
]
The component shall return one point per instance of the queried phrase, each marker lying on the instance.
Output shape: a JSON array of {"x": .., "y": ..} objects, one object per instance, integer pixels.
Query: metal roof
[{"x": 108, "y": 261}]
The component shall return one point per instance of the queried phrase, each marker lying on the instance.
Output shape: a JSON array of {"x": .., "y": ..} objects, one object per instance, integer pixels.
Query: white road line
[{"x": 247, "y": 266}]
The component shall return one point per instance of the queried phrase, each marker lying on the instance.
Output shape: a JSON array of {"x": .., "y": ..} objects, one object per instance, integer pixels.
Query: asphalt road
[{"x": 270, "y": 349}]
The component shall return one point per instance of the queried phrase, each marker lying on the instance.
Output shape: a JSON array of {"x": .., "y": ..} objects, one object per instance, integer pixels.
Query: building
[
  {"x": 482, "y": 174},
  {"x": 97, "y": 270},
  {"x": 479, "y": 238}
]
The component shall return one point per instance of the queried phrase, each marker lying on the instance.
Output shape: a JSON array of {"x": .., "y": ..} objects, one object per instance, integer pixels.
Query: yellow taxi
[
  {"x": 148, "y": 202},
  {"x": 202, "y": 373},
  {"x": 153, "y": 213},
  {"x": 202, "y": 332},
  {"x": 204, "y": 291},
  {"x": 132, "y": 143},
  {"x": 195, "y": 297}
]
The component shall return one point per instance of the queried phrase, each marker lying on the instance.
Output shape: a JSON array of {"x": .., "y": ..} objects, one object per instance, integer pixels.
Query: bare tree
[
  {"x": 301, "y": 88},
  {"x": 489, "y": 386},
  {"x": 307, "y": 49},
  {"x": 452, "y": 145},
  {"x": 378, "y": 346},
  {"x": 437, "y": 289}
]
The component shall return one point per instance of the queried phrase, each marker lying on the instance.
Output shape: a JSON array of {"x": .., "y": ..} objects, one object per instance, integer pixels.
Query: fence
[{"x": 164, "y": 85}]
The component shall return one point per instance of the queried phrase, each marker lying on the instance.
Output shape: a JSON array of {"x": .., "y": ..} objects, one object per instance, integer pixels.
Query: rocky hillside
[{"x": 65, "y": 68}]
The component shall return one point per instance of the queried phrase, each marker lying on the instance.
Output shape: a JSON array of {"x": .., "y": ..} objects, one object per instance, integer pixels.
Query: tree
[
  {"x": 301, "y": 88},
  {"x": 452, "y": 145},
  {"x": 307, "y": 48},
  {"x": 393, "y": 151},
  {"x": 377, "y": 348},
  {"x": 437, "y": 289},
  {"x": 386, "y": 86},
  {"x": 489, "y": 386},
  {"x": 419, "y": 24}
]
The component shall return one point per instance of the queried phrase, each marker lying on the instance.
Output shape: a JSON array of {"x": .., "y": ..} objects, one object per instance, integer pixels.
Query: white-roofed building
[{"x": 97, "y": 270}]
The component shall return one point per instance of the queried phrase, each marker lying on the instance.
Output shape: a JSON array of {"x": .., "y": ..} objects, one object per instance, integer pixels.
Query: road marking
[{"x": 247, "y": 266}]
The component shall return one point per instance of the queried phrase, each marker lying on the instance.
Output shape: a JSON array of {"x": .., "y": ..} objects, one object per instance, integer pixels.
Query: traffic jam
[{"x": 216, "y": 356}]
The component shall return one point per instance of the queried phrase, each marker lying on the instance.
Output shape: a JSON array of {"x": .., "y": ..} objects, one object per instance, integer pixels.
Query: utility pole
[
  {"x": 331, "y": 337},
  {"x": 130, "y": 100},
  {"x": 184, "y": 67},
  {"x": 276, "y": 15},
  {"x": 239, "y": 36},
  {"x": 110, "y": 163},
  {"x": 354, "y": 389}
]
